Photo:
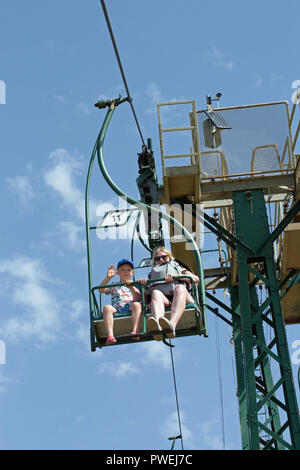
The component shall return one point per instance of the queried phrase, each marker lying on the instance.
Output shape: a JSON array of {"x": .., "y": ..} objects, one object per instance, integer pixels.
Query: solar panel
[{"x": 217, "y": 119}]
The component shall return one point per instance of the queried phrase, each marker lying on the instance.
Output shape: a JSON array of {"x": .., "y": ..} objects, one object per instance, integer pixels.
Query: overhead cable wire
[
  {"x": 176, "y": 395},
  {"x": 121, "y": 67}
]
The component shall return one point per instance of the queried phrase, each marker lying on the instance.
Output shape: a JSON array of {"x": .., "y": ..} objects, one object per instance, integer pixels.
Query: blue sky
[{"x": 56, "y": 60}]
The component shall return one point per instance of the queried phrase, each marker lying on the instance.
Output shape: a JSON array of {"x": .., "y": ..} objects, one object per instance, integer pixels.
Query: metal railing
[{"x": 194, "y": 153}]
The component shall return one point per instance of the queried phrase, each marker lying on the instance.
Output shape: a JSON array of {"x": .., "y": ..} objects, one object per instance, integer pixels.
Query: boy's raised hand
[{"x": 111, "y": 272}]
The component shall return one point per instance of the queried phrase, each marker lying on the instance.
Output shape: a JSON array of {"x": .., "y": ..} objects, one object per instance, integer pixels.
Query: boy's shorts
[{"x": 125, "y": 308}]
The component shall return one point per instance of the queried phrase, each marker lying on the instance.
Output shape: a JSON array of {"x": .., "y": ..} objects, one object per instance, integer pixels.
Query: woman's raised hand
[{"x": 168, "y": 277}]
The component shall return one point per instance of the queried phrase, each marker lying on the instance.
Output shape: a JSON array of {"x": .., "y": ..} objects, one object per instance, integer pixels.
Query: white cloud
[
  {"x": 84, "y": 108},
  {"x": 207, "y": 436},
  {"x": 59, "y": 98},
  {"x": 118, "y": 369},
  {"x": 174, "y": 113},
  {"x": 21, "y": 186},
  {"x": 61, "y": 177},
  {"x": 3, "y": 381},
  {"x": 154, "y": 94},
  {"x": 217, "y": 58},
  {"x": 110, "y": 93},
  {"x": 78, "y": 308},
  {"x": 77, "y": 312},
  {"x": 211, "y": 438},
  {"x": 73, "y": 235},
  {"x": 30, "y": 290},
  {"x": 258, "y": 81},
  {"x": 64, "y": 175},
  {"x": 156, "y": 353},
  {"x": 44, "y": 310},
  {"x": 275, "y": 77},
  {"x": 170, "y": 428}
]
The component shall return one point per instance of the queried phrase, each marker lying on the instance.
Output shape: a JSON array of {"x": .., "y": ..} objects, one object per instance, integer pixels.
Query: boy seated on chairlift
[{"x": 124, "y": 298}]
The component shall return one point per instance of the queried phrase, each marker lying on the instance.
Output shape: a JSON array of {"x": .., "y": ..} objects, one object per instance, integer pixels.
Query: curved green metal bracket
[{"x": 112, "y": 105}]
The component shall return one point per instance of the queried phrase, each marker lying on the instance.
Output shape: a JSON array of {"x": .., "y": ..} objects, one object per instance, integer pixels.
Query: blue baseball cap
[{"x": 124, "y": 261}]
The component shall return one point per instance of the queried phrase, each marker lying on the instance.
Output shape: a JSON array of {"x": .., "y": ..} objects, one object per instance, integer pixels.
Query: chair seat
[
  {"x": 123, "y": 323},
  {"x": 127, "y": 313}
]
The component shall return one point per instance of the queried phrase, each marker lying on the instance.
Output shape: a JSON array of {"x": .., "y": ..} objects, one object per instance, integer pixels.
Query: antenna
[{"x": 209, "y": 101}]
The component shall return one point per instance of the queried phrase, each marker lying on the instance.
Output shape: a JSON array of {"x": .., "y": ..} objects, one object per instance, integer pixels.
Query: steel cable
[
  {"x": 176, "y": 396},
  {"x": 121, "y": 67}
]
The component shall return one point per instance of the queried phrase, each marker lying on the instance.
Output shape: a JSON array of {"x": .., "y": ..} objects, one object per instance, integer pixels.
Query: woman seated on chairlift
[{"x": 167, "y": 293}]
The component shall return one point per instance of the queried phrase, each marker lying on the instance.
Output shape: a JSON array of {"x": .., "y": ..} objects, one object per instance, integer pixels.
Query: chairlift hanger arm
[
  {"x": 119, "y": 192},
  {"x": 114, "y": 102}
]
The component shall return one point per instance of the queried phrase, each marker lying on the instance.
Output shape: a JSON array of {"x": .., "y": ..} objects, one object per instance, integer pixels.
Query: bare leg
[
  {"x": 180, "y": 299},
  {"x": 136, "y": 316},
  {"x": 158, "y": 303},
  {"x": 108, "y": 316}
]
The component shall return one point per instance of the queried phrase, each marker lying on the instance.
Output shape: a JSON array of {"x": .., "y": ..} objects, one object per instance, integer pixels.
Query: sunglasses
[{"x": 163, "y": 257}]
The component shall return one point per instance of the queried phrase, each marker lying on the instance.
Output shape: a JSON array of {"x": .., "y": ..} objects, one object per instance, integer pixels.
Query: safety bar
[{"x": 142, "y": 287}]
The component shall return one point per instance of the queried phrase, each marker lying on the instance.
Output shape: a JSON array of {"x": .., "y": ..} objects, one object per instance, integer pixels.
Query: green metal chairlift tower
[{"x": 242, "y": 165}]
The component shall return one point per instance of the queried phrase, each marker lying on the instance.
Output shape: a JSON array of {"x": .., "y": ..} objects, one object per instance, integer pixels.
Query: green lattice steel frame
[{"x": 253, "y": 354}]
